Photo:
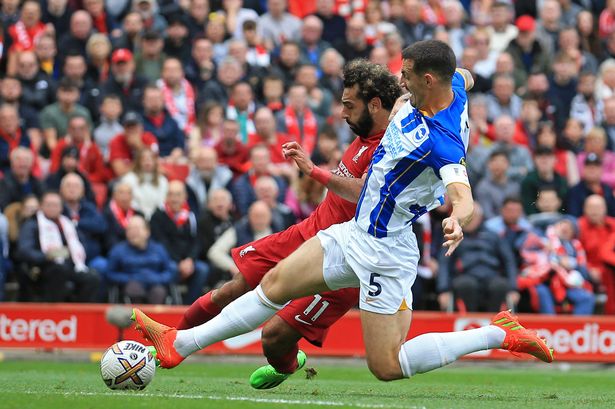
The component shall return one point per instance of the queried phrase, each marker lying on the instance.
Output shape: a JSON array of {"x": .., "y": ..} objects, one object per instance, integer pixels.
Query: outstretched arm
[
  {"x": 347, "y": 188},
  {"x": 460, "y": 195},
  {"x": 467, "y": 76}
]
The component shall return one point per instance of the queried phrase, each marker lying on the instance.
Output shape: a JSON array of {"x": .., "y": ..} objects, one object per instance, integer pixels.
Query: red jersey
[
  {"x": 91, "y": 161},
  {"x": 119, "y": 148},
  {"x": 334, "y": 209}
]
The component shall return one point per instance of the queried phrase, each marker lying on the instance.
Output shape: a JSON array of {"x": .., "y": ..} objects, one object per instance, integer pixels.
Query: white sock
[
  {"x": 437, "y": 349},
  {"x": 242, "y": 315}
]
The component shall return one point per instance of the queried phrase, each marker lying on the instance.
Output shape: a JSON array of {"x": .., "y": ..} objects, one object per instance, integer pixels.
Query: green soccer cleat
[
  {"x": 154, "y": 353},
  {"x": 266, "y": 377}
]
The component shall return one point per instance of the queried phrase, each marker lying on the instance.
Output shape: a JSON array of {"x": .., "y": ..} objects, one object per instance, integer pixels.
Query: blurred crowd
[{"x": 140, "y": 140}]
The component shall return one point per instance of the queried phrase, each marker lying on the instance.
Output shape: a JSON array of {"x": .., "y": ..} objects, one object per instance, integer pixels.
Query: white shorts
[{"x": 383, "y": 268}]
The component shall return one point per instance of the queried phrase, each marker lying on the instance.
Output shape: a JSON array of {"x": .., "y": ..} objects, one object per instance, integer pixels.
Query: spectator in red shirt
[
  {"x": 91, "y": 162},
  {"x": 102, "y": 21},
  {"x": 595, "y": 228},
  {"x": 123, "y": 147},
  {"x": 266, "y": 134},
  {"x": 298, "y": 120},
  {"x": 28, "y": 28},
  {"x": 606, "y": 22},
  {"x": 231, "y": 151}
]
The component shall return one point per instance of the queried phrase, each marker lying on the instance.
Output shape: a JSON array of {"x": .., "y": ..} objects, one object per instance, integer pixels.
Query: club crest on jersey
[
  {"x": 356, "y": 157},
  {"x": 246, "y": 251},
  {"x": 419, "y": 134}
]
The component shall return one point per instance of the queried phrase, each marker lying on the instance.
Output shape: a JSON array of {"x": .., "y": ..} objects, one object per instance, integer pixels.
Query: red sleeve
[
  {"x": 95, "y": 166},
  {"x": 607, "y": 252},
  {"x": 117, "y": 149},
  {"x": 253, "y": 139},
  {"x": 56, "y": 156}
]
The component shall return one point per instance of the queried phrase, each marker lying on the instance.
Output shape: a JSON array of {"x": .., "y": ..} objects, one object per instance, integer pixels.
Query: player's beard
[{"x": 364, "y": 125}]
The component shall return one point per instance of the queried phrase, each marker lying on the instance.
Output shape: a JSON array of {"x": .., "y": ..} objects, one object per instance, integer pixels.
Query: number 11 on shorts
[{"x": 376, "y": 284}]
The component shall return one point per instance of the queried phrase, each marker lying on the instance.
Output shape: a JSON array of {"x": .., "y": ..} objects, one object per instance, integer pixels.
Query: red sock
[
  {"x": 286, "y": 363},
  {"x": 201, "y": 311}
]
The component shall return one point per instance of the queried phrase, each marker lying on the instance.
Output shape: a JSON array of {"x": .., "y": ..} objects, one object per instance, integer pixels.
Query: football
[{"x": 127, "y": 365}]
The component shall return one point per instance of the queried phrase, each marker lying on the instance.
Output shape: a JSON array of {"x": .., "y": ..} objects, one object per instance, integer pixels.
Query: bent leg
[
  {"x": 434, "y": 350},
  {"x": 230, "y": 291},
  {"x": 298, "y": 275},
  {"x": 280, "y": 345},
  {"x": 383, "y": 336},
  {"x": 209, "y": 305}
]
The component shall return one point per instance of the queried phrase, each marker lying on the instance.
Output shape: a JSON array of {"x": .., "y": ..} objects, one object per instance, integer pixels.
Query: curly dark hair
[{"x": 373, "y": 80}]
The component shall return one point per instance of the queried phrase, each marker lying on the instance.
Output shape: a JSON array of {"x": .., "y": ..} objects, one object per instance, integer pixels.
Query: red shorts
[
  {"x": 255, "y": 259},
  {"x": 310, "y": 316}
]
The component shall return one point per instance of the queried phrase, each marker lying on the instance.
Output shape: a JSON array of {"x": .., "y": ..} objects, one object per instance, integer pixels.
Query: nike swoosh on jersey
[{"x": 298, "y": 318}]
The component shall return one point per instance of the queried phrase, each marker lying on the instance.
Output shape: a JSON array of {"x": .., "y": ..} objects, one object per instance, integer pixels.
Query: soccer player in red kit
[{"x": 370, "y": 92}]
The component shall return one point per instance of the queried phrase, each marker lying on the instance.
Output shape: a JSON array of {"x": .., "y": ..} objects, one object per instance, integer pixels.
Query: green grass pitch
[{"x": 72, "y": 385}]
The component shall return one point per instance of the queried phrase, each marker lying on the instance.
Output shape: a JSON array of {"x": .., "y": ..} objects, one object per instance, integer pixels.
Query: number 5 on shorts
[{"x": 374, "y": 283}]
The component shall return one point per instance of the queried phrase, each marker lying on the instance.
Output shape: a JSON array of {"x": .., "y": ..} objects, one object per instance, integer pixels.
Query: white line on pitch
[{"x": 225, "y": 398}]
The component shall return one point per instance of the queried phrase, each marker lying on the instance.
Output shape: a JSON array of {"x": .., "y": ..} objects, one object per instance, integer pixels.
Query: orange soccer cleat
[
  {"x": 161, "y": 336},
  {"x": 520, "y": 339}
]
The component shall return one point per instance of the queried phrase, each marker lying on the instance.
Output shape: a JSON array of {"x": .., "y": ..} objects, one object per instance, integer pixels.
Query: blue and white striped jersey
[{"x": 405, "y": 176}]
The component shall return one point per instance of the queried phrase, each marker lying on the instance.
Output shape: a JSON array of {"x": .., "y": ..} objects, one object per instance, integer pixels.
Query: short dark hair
[
  {"x": 67, "y": 84},
  {"x": 547, "y": 188},
  {"x": 432, "y": 56},
  {"x": 327, "y": 132},
  {"x": 373, "y": 81},
  {"x": 274, "y": 78},
  {"x": 238, "y": 83},
  {"x": 498, "y": 152},
  {"x": 248, "y": 25},
  {"x": 511, "y": 199},
  {"x": 113, "y": 97}
]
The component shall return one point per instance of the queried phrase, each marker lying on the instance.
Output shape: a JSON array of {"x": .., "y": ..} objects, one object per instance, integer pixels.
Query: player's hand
[
  {"x": 453, "y": 234},
  {"x": 185, "y": 268},
  {"x": 398, "y": 104},
  {"x": 294, "y": 151}
]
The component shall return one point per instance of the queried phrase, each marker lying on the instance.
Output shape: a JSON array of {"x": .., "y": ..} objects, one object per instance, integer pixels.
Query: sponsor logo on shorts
[
  {"x": 298, "y": 318},
  {"x": 370, "y": 299},
  {"x": 246, "y": 251}
]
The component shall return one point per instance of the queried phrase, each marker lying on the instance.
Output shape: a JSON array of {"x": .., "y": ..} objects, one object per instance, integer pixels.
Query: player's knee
[
  {"x": 272, "y": 282},
  {"x": 385, "y": 369},
  {"x": 385, "y": 372}
]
